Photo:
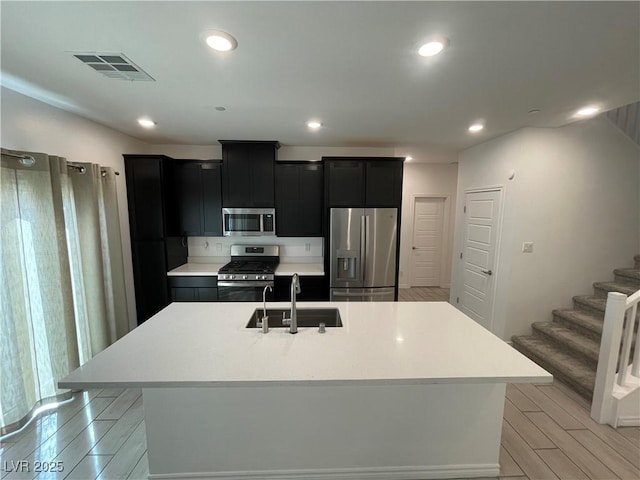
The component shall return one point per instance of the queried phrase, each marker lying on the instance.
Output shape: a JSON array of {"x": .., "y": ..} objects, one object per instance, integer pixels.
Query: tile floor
[
  {"x": 547, "y": 434},
  {"x": 423, "y": 294}
]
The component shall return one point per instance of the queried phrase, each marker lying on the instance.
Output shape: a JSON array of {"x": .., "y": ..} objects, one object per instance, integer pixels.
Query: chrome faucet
[
  {"x": 295, "y": 288},
  {"x": 265, "y": 318}
]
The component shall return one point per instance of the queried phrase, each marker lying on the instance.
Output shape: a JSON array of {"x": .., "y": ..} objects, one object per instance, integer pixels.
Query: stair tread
[
  {"x": 616, "y": 287},
  {"x": 598, "y": 303},
  {"x": 572, "y": 339},
  {"x": 628, "y": 272},
  {"x": 556, "y": 359},
  {"x": 581, "y": 318}
]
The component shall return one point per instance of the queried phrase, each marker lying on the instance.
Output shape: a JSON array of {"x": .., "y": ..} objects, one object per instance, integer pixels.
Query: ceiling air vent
[{"x": 114, "y": 65}]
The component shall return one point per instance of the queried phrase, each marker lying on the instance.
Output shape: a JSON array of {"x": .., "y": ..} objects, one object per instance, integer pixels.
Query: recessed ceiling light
[
  {"x": 587, "y": 111},
  {"x": 408, "y": 159},
  {"x": 476, "y": 127},
  {"x": 221, "y": 41},
  {"x": 146, "y": 122},
  {"x": 314, "y": 124},
  {"x": 433, "y": 47},
  {"x": 220, "y": 109}
]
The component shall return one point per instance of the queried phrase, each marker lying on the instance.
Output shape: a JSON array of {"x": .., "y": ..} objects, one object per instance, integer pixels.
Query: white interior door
[
  {"x": 479, "y": 254},
  {"x": 426, "y": 250}
]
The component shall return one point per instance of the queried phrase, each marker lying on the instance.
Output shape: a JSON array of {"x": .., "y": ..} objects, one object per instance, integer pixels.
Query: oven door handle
[{"x": 246, "y": 284}]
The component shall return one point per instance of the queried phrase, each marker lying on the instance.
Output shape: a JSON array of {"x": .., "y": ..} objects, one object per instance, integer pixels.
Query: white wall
[
  {"x": 286, "y": 152},
  {"x": 31, "y": 125},
  {"x": 575, "y": 195},
  {"x": 432, "y": 180}
]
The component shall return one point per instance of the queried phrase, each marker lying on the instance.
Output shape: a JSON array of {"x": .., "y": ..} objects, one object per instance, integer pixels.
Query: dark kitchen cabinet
[
  {"x": 345, "y": 183},
  {"x": 156, "y": 245},
  {"x": 248, "y": 174},
  {"x": 363, "y": 182},
  {"x": 193, "y": 289},
  {"x": 151, "y": 196},
  {"x": 199, "y": 186},
  {"x": 149, "y": 272},
  {"x": 383, "y": 183},
  {"x": 312, "y": 289},
  {"x": 299, "y": 198}
]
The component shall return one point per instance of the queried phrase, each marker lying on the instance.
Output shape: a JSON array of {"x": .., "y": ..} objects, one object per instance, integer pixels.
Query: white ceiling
[{"x": 353, "y": 65}]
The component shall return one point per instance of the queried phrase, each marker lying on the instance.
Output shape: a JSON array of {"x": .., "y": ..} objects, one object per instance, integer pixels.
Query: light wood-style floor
[
  {"x": 547, "y": 434},
  {"x": 423, "y": 294}
]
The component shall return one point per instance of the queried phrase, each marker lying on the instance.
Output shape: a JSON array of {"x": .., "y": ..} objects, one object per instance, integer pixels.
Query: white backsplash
[{"x": 292, "y": 249}]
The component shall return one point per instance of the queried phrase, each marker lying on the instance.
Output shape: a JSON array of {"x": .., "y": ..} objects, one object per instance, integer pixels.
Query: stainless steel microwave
[{"x": 248, "y": 221}]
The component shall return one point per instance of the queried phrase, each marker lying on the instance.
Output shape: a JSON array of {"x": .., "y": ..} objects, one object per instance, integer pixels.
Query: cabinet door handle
[{"x": 487, "y": 272}]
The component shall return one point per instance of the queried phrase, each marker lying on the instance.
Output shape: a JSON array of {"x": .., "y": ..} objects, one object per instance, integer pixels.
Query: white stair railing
[{"x": 616, "y": 396}]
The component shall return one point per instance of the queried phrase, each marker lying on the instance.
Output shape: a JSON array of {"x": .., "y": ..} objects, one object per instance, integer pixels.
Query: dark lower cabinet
[
  {"x": 193, "y": 289},
  {"x": 299, "y": 199},
  {"x": 312, "y": 289},
  {"x": 200, "y": 197},
  {"x": 149, "y": 271}
]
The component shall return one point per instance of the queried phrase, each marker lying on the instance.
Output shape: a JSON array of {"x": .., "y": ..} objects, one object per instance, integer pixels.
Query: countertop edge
[{"x": 542, "y": 379}]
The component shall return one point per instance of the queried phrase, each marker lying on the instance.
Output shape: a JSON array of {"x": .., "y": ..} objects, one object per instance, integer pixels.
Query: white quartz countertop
[
  {"x": 196, "y": 269},
  {"x": 207, "y": 344},
  {"x": 211, "y": 269}
]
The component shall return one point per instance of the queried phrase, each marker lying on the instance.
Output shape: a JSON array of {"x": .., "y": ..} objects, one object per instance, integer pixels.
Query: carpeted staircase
[{"x": 568, "y": 346}]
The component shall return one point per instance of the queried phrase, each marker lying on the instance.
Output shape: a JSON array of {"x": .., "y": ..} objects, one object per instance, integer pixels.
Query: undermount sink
[{"x": 307, "y": 317}]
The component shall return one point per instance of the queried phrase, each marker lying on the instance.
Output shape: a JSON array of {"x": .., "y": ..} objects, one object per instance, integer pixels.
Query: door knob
[
  {"x": 487, "y": 272},
  {"x": 413, "y": 248}
]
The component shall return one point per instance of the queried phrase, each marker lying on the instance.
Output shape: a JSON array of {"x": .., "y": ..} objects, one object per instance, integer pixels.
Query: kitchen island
[{"x": 402, "y": 391}]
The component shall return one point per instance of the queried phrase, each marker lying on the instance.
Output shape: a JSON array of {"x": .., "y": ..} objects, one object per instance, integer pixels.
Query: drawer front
[{"x": 193, "y": 281}]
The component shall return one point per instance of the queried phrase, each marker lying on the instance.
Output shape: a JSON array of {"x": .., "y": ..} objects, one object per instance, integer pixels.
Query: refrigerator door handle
[{"x": 363, "y": 247}]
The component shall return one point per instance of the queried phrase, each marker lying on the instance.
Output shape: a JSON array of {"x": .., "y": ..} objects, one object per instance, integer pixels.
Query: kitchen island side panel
[{"x": 328, "y": 432}]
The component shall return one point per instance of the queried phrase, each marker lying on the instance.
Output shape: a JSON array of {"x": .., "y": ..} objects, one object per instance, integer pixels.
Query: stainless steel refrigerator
[{"x": 362, "y": 246}]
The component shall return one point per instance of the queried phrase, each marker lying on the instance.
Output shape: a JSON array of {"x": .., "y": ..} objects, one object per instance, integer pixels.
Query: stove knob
[
  {"x": 244, "y": 277},
  {"x": 232, "y": 277},
  {"x": 257, "y": 277},
  {"x": 264, "y": 277}
]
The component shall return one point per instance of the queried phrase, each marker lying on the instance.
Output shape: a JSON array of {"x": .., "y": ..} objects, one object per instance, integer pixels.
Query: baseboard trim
[
  {"x": 381, "y": 473},
  {"x": 629, "y": 421}
]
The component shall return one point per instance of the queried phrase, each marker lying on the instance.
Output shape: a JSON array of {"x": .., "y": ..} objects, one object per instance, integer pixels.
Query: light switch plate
[{"x": 527, "y": 247}]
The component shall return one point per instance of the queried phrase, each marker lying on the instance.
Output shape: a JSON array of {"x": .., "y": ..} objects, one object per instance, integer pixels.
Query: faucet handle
[{"x": 286, "y": 321}]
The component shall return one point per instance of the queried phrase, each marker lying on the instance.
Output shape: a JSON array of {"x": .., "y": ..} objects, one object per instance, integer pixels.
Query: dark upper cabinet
[
  {"x": 299, "y": 199},
  {"x": 345, "y": 183},
  {"x": 151, "y": 196},
  {"x": 363, "y": 182},
  {"x": 199, "y": 186},
  {"x": 383, "y": 183},
  {"x": 248, "y": 173}
]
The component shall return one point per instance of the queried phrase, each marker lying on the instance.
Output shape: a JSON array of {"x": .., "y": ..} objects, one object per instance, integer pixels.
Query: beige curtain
[{"x": 63, "y": 298}]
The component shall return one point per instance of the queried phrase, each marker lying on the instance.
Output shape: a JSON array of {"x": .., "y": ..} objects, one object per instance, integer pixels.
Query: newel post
[{"x": 601, "y": 405}]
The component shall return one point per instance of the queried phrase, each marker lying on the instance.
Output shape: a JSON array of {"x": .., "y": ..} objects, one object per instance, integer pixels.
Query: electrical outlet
[{"x": 527, "y": 247}]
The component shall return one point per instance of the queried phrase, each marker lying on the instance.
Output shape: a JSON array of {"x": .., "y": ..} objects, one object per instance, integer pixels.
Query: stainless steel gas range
[{"x": 250, "y": 271}]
